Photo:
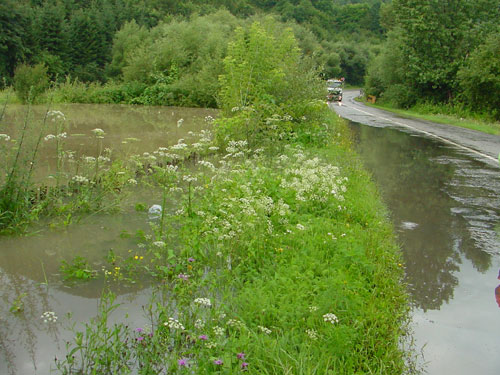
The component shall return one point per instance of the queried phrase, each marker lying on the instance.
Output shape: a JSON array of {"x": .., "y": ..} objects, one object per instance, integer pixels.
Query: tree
[
  {"x": 89, "y": 51},
  {"x": 30, "y": 82},
  {"x": 480, "y": 76},
  {"x": 431, "y": 36},
  {"x": 14, "y": 36}
]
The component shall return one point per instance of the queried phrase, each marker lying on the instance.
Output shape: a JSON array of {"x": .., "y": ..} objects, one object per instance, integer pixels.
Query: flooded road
[{"x": 444, "y": 201}]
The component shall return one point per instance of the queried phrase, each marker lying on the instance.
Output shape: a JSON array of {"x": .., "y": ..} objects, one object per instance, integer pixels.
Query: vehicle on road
[{"x": 334, "y": 87}]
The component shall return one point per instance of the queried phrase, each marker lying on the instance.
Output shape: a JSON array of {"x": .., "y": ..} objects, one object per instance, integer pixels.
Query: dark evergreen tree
[{"x": 15, "y": 26}]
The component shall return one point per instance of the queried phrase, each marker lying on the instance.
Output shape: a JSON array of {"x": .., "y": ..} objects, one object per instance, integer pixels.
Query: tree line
[
  {"x": 76, "y": 37},
  {"x": 439, "y": 52}
]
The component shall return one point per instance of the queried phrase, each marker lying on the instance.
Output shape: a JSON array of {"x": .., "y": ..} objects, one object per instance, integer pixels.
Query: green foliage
[
  {"x": 30, "y": 81},
  {"x": 14, "y": 37},
  {"x": 444, "y": 68},
  {"x": 480, "y": 77},
  {"x": 17, "y": 305},
  {"x": 78, "y": 269}
]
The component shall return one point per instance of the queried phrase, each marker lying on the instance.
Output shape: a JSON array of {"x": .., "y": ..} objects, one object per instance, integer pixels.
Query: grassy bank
[
  {"x": 271, "y": 263},
  {"x": 444, "y": 115},
  {"x": 270, "y": 252}
]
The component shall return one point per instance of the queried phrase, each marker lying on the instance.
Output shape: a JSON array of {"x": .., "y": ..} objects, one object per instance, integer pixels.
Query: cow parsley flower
[
  {"x": 203, "y": 302},
  {"x": 330, "y": 318}
]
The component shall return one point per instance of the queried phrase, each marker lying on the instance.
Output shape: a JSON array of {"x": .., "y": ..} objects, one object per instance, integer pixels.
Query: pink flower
[
  {"x": 182, "y": 362},
  {"x": 203, "y": 337},
  {"x": 244, "y": 366},
  {"x": 190, "y": 260},
  {"x": 240, "y": 355},
  {"x": 218, "y": 362}
]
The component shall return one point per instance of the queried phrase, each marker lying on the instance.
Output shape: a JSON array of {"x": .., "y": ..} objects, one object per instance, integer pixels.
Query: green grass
[
  {"x": 276, "y": 253},
  {"x": 422, "y": 112}
]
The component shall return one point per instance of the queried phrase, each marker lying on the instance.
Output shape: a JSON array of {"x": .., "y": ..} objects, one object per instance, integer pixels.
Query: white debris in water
[
  {"x": 154, "y": 211},
  {"x": 408, "y": 225}
]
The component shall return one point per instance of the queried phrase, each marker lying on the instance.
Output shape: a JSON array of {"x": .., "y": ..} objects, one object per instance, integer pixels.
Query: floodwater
[
  {"x": 445, "y": 206},
  {"x": 29, "y": 265},
  {"x": 128, "y": 129}
]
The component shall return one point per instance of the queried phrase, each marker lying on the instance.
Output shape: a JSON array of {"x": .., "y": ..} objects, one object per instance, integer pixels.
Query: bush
[
  {"x": 30, "y": 81},
  {"x": 480, "y": 77}
]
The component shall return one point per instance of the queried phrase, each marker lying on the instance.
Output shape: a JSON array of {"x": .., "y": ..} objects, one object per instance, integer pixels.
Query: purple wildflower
[
  {"x": 190, "y": 260},
  {"x": 139, "y": 330},
  {"x": 244, "y": 365},
  {"x": 182, "y": 362},
  {"x": 218, "y": 362},
  {"x": 183, "y": 276},
  {"x": 203, "y": 337},
  {"x": 240, "y": 355},
  {"x": 140, "y": 338}
]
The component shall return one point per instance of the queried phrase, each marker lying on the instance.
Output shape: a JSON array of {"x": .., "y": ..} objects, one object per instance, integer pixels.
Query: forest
[{"x": 170, "y": 53}]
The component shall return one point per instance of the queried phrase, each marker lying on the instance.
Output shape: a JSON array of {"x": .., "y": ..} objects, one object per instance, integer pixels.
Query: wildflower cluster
[
  {"x": 174, "y": 324},
  {"x": 313, "y": 180},
  {"x": 205, "y": 302},
  {"x": 330, "y": 318},
  {"x": 49, "y": 317},
  {"x": 56, "y": 115}
]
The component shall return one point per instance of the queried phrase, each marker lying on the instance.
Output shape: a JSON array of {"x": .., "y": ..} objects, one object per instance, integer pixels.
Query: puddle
[{"x": 453, "y": 255}]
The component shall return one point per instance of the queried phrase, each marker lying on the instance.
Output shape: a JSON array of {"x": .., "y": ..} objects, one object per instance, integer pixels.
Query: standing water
[
  {"x": 32, "y": 290},
  {"x": 446, "y": 210}
]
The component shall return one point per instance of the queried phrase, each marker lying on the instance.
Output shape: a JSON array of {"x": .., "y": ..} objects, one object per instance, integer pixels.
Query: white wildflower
[
  {"x": 313, "y": 308},
  {"x": 203, "y": 302},
  {"x": 300, "y": 227},
  {"x": 174, "y": 324},
  {"x": 330, "y": 318},
  {"x": 80, "y": 179},
  {"x": 207, "y": 164},
  {"x": 49, "y": 317},
  {"x": 159, "y": 244},
  {"x": 5, "y": 137},
  {"x": 199, "y": 324},
  {"x": 179, "y": 122},
  {"x": 89, "y": 159},
  {"x": 218, "y": 331},
  {"x": 265, "y": 330},
  {"x": 99, "y": 133},
  {"x": 313, "y": 335},
  {"x": 56, "y": 115},
  {"x": 49, "y": 137},
  {"x": 131, "y": 181},
  {"x": 189, "y": 178}
]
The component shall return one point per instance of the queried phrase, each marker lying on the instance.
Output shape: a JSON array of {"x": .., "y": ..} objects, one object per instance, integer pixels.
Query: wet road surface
[
  {"x": 444, "y": 201},
  {"x": 481, "y": 145}
]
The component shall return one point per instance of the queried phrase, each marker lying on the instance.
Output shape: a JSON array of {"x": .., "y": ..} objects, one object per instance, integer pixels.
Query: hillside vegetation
[{"x": 165, "y": 52}]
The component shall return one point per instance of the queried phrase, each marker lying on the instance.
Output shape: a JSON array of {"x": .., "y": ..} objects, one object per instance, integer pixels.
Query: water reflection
[
  {"x": 444, "y": 205},
  {"x": 29, "y": 265},
  {"x": 129, "y": 129}
]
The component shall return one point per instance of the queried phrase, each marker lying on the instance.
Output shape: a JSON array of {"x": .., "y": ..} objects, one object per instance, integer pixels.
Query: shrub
[{"x": 30, "y": 81}]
